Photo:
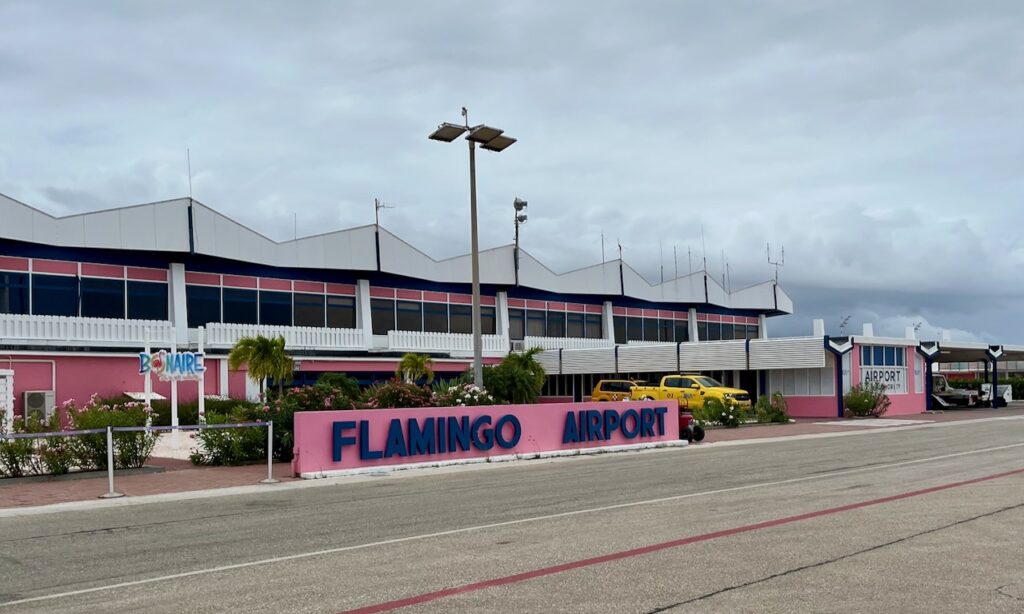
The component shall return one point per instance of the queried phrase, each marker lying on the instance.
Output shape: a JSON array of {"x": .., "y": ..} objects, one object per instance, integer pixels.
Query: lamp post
[
  {"x": 520, "y": 218},
  {"x": 491, "y": 139}
]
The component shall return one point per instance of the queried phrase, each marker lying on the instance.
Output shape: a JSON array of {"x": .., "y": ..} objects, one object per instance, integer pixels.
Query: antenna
[
  {"x": 675, "y": 258},
  {"x": 842, "y": 326},
  {"x": 602, "y": 247},
  {"x": 378, "y": 204},
  {"x": 620, "y": 248},
  {"x": 781, "y": 261},
  {"x": 661, "y": 259},
  {"x": 728, "y": 278},
  {"x": 704, "y": 248},
  {"x": 188, "y": 161}
]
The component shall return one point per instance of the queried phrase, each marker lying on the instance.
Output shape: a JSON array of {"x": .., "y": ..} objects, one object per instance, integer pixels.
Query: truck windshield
[{"x": 707, "y": 382}]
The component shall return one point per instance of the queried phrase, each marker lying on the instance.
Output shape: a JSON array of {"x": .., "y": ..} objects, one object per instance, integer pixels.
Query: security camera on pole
[
  {"x": 491, "y": 139},
  {"x": 520, "y": 206}
]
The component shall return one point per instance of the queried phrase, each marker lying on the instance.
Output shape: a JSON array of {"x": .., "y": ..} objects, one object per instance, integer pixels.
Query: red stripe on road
[{"x": 624, "y": 554}]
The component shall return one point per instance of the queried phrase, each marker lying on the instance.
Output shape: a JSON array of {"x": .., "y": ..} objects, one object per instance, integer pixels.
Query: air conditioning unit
[
  {"x": 518, "y": 345},
  {"x": 39, "y": 404}
]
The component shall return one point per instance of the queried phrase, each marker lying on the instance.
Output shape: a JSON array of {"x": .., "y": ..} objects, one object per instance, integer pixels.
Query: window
[
  {"x": 309, "y": 310},
  {"x": 276, "y": 308},
  {"x": 410, "y": 315},
  {"x": 147, "y": 300},
  {"x": 714, "y": 331},
  {"x": 666, "y": 330},
  {"x": 240, "y": 306},
  {"x": 14, "y": 293},
  {"x": 102, "y": 298},
  {"x": 595, "y": 326},
  {"x": 435, "y": 317},
  {"x": 53, "y": 295},
  {"x": 460, "y": 318},
  {"x": 727, "y": 332},
  {"x": 635, "y": 329},
  {"x": 341, "y": 312},
  {"x": 574, "y": 325},
  {"x": 536, "y": 325},
  {"x": 885, "y": 365},
  {"x": 702, "y": 331},
  {"x": 619, "y": 324},
  {"x": 682, "y": 330},
  {"x": 751, "y": 331},
  {"x": 488, "y": 321},
  {"x": 650, "y": 329},
  {"x": 203, "y": 304},
  {"x": 556, "y": 324},
  {"x": 382, "y": 315},
  {"x": 882, "y": 356},
  {"x": 516, "y": 323}
]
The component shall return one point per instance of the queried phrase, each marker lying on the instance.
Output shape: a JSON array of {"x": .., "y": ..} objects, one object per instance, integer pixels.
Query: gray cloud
[{"x": 879, "y": 142}]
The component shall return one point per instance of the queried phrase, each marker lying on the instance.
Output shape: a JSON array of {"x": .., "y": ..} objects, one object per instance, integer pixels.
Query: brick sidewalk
[{"x": 183, "y": 476}]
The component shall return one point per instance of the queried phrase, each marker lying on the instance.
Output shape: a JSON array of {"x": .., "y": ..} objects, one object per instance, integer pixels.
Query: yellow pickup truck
[{"x": 691, "y": 391}]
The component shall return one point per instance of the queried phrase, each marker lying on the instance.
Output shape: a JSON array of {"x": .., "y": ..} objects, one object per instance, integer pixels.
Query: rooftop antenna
[
  {"x": 842, "y": 325},
  {"x": 661, "y": 258},
  {"x": 188, "y": 161},
  {"x": 704, "y": 248},
  {"x": 378, "y": 204},
  {"x": 781, "y": 261},
  {"x": 620, "y": 248},
  {"x": 728, "y": 278},
  {"x": 675, "y": 259},
  {"x": 602, "y": 247}
]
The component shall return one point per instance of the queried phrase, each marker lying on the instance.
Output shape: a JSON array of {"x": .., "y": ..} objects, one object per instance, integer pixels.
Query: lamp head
[{"x": 519, "y": 204}]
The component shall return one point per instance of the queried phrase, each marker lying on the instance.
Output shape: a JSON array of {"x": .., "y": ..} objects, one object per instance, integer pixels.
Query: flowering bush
[
  {"x": 462, "y": 395},
  {"x": 866, "y": 400},
  {"x": 772, "y": 409},
  {"x": 399, "y": 394},
  {"x": 20, "y": 457},
  {"x": 131, "y": 450},
  {"x": 282, "y": 410},
  {"x": 230, "y": 446},
  {"x": 716, "y": 412}
]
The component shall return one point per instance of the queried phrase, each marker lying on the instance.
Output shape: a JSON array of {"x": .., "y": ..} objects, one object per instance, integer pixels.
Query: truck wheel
[
  {"x": 686, "y": 434},
  {"x": 698, "y": 433}
]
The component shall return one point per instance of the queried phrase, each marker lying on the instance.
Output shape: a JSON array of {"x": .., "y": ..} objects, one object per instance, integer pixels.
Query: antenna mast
[
  {"x": 781, "y": 261},
  {"x": 378, "y": 204},
  {"x": 188, "y": 161},
  {"x": 602, "y": 247},
  {"x": 675, "y": 259}
]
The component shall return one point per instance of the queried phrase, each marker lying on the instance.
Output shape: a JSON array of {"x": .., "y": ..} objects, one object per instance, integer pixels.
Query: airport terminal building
[{"x": 82, "y": 295}]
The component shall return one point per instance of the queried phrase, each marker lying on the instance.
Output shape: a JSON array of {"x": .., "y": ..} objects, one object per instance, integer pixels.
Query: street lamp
[
  {"x": 491, "y": 139},
  {"x": 520, "y": 218}
]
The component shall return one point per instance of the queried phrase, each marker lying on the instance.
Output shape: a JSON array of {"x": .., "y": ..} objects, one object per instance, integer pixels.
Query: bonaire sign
[
  {"x": 343, "y": 442},
  {"x": 174, "y": 366}
]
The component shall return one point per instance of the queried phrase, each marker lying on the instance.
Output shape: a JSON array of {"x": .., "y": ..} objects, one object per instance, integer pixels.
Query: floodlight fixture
[
  {"x": 498, "y": 143},
  {"x": 519, "y": 204},
  {"x": 483, "y": 134},
  {"x": 447, "y": 132},
  {"x": 521, "y": 218}
]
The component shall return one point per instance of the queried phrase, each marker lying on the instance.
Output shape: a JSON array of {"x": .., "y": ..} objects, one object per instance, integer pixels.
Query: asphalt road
[{"x": 926, "y": 520}]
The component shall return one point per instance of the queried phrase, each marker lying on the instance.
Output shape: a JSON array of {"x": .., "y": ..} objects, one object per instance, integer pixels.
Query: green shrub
[
  {"x": 339, "y": 382},
  {"x": 229, "y": 446},
  {"x": 519, "y": 378},
  {"x": 282, "y": 411},
  {"x": 714, "y": 411},
  {"x": 771, "y": 409},
  {"x": 17, "y": 458},
  {"x": 459, "y": 394},
  {"x": 188, "y": 413},
  {"x": 866, "y": 400},
  {"x": 398, "y": 394},
  {"x": 1016, "y": 383},
  {"x": 21, "y": 457},
  {"x": 131, "y": 449}
]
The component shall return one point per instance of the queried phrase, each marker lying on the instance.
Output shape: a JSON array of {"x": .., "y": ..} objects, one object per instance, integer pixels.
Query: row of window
[
  {"x": 57, "y": 295},
  {"x": 541, "y": 323},
  {"x": 653, "y": 329},
  {"x": 387, "y": 314},
  {"x": 882, "y": 356},
  {"x": 208, "y": 304}
]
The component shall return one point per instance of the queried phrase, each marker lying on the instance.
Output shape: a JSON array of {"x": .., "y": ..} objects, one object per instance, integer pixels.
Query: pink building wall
[
  {"x": 812, "y": 406},
  {"x": 902, "y": 404}
]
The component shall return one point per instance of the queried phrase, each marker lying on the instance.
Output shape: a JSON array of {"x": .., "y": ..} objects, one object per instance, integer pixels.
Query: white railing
[
  {"x": 295, "y": 337},
  {"x": 62, "y": 330},
  {"x": 452, "y": 343},
  {"x": 566, "y": 343}
]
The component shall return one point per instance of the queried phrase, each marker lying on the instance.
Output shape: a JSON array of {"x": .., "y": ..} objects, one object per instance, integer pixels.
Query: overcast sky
[{"x": 882, "y": 143}]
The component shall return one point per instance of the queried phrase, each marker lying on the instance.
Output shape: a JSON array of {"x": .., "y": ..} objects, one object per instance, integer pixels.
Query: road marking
[
  {"x": 623, "y": 554},
  {"x": 483, "y": 527}
]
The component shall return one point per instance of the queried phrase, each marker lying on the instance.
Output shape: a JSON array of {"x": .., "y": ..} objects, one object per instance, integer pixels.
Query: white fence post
[
  {"x": 111, "y": 493},
  {"x": 270, "y": 455}
]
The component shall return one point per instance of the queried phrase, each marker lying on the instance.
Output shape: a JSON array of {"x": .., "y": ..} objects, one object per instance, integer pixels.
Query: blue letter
[
  {"x": 630, "y": 413},
  {"x": 458, "y": 432},
  {"x": 647, "y": 422},
  {"x": 421, "y": 441},
  {"x": 517, "y": 431},
  {"x": 340, "y": 440},
  {"x": 488, "y": 441},
  {"x": 365, "y": 452},
  {"x": 396, "y": 440},
  {"x": 442, "y": 441},
  {"x": 660, "y": 412},
  {"x": 611, "y": 422},
  {"x": 593, "y": 425},
  {"x": 570, "y": 432},
  {"x": 144, "y": 360}
]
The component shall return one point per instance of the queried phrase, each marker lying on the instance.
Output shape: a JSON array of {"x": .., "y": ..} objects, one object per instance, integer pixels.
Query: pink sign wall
[{"x": 333, "y": 441}]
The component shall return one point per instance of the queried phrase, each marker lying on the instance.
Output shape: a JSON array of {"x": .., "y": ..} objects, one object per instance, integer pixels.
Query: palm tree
[
  {"x": 265, "y": 358},
  {"x": 412, "y": 367},
  {"x": 528, "y": 375}
]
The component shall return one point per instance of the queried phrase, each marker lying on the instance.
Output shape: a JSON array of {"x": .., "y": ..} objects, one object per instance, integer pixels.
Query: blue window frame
[
  {"x": 241, "y": 306},
  {"x": 147, "y": 300},
  {"x": 102, "y": 298},
  {"x": 516, "y": 323},
  {"x": 203, "y": 304},
  {"x": 309, "y": 310},
  {"x": 341, "y": 312},
  {"x": 54, "y": 295},
  {"x": 882, "y": 356},
  {"x": 276, "y": 308},
  {"x": 14, "y": 293}
]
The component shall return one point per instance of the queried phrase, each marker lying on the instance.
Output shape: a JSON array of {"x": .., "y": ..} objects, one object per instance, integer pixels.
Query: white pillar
[
  {"x": 174, "y": 393},
  {"x": 148, "y": 383},
  {"x": 363, "y": 318},
  {"x": 762, "y": 327},
  {"x": 818, "y": 328},
  {"x": 201, "y": 411},
  {"x": 691, "y": 323},
  {"x": 179, "y": 309},
  {"x": 222, "y": 380},
  {"x": 502, "y": 313},
  {"x": 608, "y": 321},
  {"x": 7, "y": 398}
]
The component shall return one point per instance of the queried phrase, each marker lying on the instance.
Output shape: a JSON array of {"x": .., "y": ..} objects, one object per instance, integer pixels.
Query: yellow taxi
[{"x": 613, "y": 389}]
